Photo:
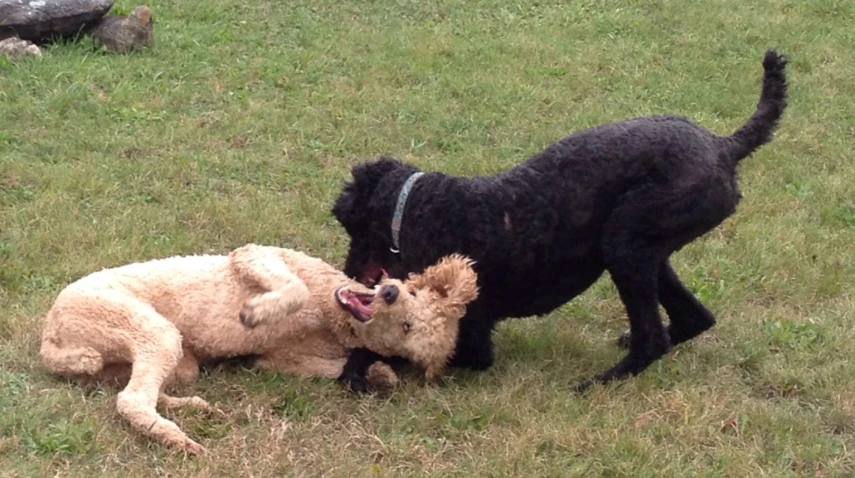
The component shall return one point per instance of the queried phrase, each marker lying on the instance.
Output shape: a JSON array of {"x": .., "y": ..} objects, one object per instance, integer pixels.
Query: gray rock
[{"x": 40, "y": 20}]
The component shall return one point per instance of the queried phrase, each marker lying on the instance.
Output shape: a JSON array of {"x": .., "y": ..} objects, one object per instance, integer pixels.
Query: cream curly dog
[{"x": 151, "y": 323}]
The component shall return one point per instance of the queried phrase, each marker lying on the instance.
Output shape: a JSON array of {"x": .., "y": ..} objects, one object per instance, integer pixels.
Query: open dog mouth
[
  {"x": 359, "y": 304},
  {"x": 373, "y": 274}
]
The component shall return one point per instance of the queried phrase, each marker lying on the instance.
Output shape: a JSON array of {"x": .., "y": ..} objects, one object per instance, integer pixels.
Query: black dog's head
[{"x": 364, "y": 208}]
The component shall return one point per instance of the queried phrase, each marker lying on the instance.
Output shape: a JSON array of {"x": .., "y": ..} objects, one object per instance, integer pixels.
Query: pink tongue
[{"x": 359, "y": 306}]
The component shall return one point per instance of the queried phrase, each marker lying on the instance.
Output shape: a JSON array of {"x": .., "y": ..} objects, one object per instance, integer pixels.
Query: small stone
[
  {"x": 14, "y": 47},
  {"x": 122, "y": 34}
]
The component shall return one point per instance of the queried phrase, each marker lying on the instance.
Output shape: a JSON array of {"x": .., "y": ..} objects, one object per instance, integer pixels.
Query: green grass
[{"x": 243, "y": 121}]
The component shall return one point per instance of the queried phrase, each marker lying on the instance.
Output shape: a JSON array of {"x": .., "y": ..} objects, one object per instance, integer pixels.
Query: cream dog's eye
[
  {"x": 407, "y": 326},
  {"x": 412, "y": 292}
]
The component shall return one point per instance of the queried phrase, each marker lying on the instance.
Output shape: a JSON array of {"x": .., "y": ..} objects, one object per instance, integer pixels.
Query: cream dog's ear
[
  {"x": 455, "y": 283},
  {"x": 453, "y": 278}
]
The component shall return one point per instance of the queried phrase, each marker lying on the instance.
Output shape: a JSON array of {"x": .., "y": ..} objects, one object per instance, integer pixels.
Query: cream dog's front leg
[
  {"x": 261, "y": 266},
  {"x": 297, "y": 364},
  {"x": 381, "y": 377}
]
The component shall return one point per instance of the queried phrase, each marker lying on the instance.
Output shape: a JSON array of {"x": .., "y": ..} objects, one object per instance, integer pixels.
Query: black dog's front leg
[
  {"x": 356, "y": 368},
  {"x": 474, "y": 342}
]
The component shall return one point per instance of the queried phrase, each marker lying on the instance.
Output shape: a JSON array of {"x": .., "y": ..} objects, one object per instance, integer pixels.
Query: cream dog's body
[{"x": 152, "y": 322}]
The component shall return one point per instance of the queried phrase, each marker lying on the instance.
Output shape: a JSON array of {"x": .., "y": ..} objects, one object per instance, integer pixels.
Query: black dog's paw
[
  {"x": 355, "y": 383},
  {"x": 474, "y": 359},
  {"x": 468, "y": 362},
  {"x": 624, "y": 339},
  {"x": 584, "y": 386}
]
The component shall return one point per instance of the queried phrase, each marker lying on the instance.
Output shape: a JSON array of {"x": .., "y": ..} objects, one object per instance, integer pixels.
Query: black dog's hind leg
[
  {"x": 634, "y": 247},
  {"x": 648, "y": 225},
  {"x": 689, "y": 317},
  {"x": 635, "y": 279}
]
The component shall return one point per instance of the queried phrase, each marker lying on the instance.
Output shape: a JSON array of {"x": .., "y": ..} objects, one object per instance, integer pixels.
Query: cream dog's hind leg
[
  {"x": 170, "y": 402},
  {"x": 86, "y": 328},
  {"x": 284, "y": 293},
  {"x": 157, "y": 351},
  {"x": 186, "y": 371}
]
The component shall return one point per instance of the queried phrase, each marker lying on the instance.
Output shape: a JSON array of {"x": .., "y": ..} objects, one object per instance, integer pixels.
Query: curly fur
[
  {"x": 620, "y": 197},
  {"x": 152, "y": 323}
]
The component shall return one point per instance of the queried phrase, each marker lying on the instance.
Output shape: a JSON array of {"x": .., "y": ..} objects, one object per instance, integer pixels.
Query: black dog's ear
[
  {"x": 368, "y": 175},
  {"x": 350, "y": 207},
  {"x": 344, "y": 209}
]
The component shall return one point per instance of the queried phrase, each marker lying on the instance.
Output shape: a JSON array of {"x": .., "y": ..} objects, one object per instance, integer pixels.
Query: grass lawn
[{"x": 243, "y": 121}]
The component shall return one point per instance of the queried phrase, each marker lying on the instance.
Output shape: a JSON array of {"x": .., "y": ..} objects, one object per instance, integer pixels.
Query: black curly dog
[{"x": 619, "y": 197}]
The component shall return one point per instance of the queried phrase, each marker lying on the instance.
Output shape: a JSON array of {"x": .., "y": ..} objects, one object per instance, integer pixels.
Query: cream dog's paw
[
  {"x": 252, "y": 313},
  {"x": 271, "y": 306},
  {"x": 381, "y": 378}
]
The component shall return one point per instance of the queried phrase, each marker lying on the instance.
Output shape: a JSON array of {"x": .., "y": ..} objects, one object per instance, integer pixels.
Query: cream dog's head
[{"x": 418, "y": 318}]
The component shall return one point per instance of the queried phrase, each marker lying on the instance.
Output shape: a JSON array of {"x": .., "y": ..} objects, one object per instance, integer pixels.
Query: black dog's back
[
  {"x": 663, "y": 148},
  {"x": 620, "y": 197}
]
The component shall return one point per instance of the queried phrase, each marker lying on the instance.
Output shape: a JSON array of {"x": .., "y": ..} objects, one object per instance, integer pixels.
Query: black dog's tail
[{"x": 773, "y": 99}]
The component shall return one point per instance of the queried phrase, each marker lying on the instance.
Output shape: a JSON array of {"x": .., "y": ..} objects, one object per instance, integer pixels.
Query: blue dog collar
[{"x": 398, "y": 216}]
